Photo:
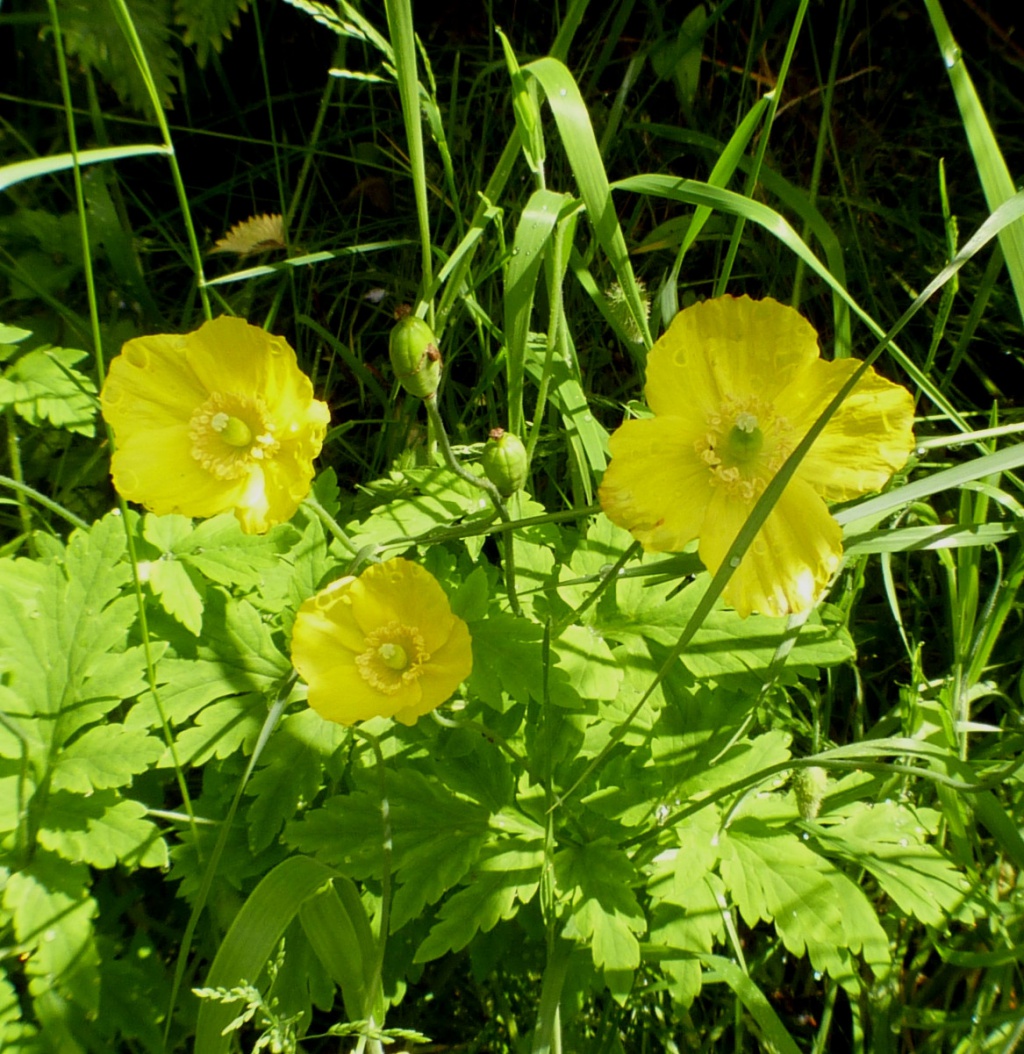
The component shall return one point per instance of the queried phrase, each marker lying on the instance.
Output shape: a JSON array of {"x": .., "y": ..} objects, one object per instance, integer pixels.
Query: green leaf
[
  {"x": 776, "y": 877},
  {"x": 238, "y": 656},
  {"x": 105, "y": 756},
  {"x": 250, "y": 942},
  {"x": 173, "y": 587},
  {"x": 506, "y": 875},
  {"x": 101, "y": 830},
  {"x": 725, "y": 644},
  {"x": 888, "y": 840},
  {"x": 220, "y": 550},
  {"x": 290, "y": 774},
  {"x": 416, "y": 501},
  {"x": 220, "y": 730},
  {"x": 208, "y": 23},
  {"x": 590, "y": 560},
  {"x": 436, "y": 838},
  {"x": 679, "y": 60},
  {"x": 94, "y": 36},
  {"x": 687, "y": 902},
  {"x": 52, "y": 914},
  {"x": 589, "y": 665},
  {"x": 506, "y": 660},
  {"x": 339, "y": 931},
  {"x": 62, "y": 637},
  {"x": 11, "y": 335},
  {"x": 598, "y": 878},
  {"x": 43, "y": 386}
]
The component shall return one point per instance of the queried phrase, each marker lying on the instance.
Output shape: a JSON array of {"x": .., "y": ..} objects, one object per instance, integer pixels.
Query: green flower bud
[
  {"x": 809, "y": 787},
  {"x": 504, "y": 462},
  {"x": 414, "y": 356}
]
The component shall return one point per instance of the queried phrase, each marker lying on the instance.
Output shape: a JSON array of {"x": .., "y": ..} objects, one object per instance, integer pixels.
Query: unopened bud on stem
[
  {"x": 414, "y": 355},
  {"x": 504, "y": 461}
]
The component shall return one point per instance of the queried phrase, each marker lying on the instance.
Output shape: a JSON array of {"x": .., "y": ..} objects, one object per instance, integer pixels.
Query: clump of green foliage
[{"x": 646, "y": 823}]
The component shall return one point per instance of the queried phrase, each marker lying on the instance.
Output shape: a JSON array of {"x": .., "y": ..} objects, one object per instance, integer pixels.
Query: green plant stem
[
  {"x": 437, "y": 423},
  {"x": 14, "y": 454},
  {"x": 400, "y": 29},
  {"x": 385, "y": 878},
  {"x": 604, "y": 581},
  {"x": 83, "y": 226},
  {"x": 203, "y": 894},
  {"x": 48, "y": 503},
  {"x": 331, "y": 524},
  {"x": 734, "y": 243},
  {"x": 310, "y": 151},
  {"x": 547, "y": 1037},
  {"x": 124, "y": 18}
]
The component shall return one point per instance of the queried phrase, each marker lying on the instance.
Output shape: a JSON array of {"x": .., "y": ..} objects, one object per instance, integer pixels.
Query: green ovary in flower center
[
  {"x": 394, "y": 656},
  {"x": 744, "y": 445},
  {"x": 745, "y": 440},
  {"x": 231, "y": 432}
]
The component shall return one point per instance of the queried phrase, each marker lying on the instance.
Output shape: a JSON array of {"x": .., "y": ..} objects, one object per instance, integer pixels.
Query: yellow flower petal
[
  {"x": 443, "y": 674},
  {"x": 730, "y": 346},
  {"x": 865, "y": 441},
  {"x": 149, "y": 385},
  {"x": 385, "y": 644},
  {"x": 159, "y": 471},
  {"x": 789, "y": 562},
  {"x": 408, "y": 593},
  {"x": 656, "y": 487},
  {"x": 216, "y": 420}
]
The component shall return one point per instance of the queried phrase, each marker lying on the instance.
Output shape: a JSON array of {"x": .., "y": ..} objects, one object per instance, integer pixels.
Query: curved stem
[
  {"x": 331, "y": 524},
  {"x": 42, "y": 499},
  {"x": 487, "y": 487}
]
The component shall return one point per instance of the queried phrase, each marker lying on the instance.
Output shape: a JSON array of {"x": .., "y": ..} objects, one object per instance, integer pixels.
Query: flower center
[
  {"x": 230, "y": 432},
  {"x": 744, "y": 445},
  {"x": 394, "y": 657}
]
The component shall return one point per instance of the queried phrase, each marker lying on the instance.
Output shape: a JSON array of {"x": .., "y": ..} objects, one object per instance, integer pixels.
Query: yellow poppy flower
[
  {"x": 735, "y": 384},
  {"x": 217, "y": 420},
  {"x": 385, "y": 644}
]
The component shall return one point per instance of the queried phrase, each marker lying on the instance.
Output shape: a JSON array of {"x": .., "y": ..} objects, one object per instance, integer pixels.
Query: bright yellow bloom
[
  {"x": 735, "y": 384},
  {"x": 385, "y": 644},
  {"x": 217, "y": 420}
]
